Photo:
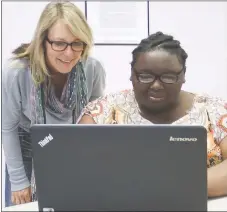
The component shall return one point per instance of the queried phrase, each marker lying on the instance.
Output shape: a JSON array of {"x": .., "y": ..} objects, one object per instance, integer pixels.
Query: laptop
[{"x": 120, "y": 167}]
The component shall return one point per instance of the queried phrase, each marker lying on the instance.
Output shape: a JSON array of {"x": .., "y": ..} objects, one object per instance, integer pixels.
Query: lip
[
  {"x": 156, "y": 97},
  {"x": 65, "y": 61},
  {"x": 64, "y": 64}
]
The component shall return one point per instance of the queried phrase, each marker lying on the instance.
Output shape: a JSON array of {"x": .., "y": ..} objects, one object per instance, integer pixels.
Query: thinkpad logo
[
  {"x": 182, "y": 139},
  {"x": 46, "y": 140}
]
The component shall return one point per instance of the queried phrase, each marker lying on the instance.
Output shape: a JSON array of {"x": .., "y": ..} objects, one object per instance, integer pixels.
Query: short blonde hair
[{"x": 54, "y": 11}]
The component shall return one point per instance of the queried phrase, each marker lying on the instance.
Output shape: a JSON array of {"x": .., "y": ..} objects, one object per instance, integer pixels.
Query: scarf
[{"x": 73, "y": 98}]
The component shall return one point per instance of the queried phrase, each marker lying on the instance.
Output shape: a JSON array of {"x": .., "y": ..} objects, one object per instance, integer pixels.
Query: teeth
[
  {"x": 65, "y": 61},
  {"x": 156, "y": 98}
]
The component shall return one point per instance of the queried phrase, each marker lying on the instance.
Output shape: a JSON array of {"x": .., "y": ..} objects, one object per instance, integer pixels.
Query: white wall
[
  {"x": 202, "y": 29},
  {"x": 200, "y": 26}
]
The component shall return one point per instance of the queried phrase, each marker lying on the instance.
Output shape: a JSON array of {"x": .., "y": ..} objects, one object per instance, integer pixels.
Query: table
[{"x": 219, "y": 204}]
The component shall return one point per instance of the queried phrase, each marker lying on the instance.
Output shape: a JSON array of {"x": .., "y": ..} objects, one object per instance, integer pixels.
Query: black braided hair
[{"x": 162, "y": 41}]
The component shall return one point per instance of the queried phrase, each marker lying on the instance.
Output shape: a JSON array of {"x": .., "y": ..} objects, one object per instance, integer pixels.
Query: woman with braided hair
[
  {"x": 157, "y": 73},
  {"x": 48, "y": 81}
]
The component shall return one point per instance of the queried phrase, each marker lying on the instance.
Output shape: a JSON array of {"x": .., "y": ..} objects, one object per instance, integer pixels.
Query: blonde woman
[{"x": 47, "y": 81}]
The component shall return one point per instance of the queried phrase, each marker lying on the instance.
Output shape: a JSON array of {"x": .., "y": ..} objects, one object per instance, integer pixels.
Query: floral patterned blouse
[{"x": 210, "y": 112}]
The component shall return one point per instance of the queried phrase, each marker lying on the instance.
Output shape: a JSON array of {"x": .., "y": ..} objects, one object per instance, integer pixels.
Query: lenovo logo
[{"x": 182, "y": 139}]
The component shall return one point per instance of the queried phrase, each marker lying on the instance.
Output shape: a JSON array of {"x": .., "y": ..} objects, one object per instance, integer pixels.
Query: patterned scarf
[{"x": 73, "y": 98}]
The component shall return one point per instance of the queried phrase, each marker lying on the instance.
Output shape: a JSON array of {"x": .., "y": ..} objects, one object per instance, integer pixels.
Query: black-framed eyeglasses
[
  {"x": 167, "y": 78},
  {"x": 61, "y": 45}
]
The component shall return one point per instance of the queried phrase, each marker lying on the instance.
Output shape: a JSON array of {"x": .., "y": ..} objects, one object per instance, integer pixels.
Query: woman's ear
[
  {"x": 131, "y": 75},
  {"x": 184, "y": 80}
]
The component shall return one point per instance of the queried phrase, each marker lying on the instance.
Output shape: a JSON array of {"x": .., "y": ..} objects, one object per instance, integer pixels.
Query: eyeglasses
[
  {"x": 167, "y": 78},
  {"x": 61, "y": 46}
]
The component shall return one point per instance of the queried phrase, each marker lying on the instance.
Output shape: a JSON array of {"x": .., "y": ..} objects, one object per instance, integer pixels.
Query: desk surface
[{"x": 219, "y": 204}]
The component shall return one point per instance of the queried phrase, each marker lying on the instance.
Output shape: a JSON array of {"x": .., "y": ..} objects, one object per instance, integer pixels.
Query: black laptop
[{"x": 120, "y": 167}]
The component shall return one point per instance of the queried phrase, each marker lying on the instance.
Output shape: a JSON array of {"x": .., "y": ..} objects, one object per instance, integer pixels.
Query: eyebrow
[
  {"x": 61, "y": 39},
  {"x": 148, "y": 71},
  {"x": 142, "y": 70}
]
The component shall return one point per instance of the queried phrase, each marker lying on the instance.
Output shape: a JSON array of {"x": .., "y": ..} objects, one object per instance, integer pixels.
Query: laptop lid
[{"x": 120, "y": 167}]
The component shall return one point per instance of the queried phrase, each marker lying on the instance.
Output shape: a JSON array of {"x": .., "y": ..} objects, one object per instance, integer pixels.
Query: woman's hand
[{"x": 22, "y": 196}]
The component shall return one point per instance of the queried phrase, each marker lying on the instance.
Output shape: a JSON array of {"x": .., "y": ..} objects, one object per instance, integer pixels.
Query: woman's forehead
[
  {"x": 158, "y": 59},
  {"x": 61, "y": 31}
]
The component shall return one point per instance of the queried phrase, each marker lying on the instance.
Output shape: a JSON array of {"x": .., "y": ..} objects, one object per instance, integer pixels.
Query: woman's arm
[
  {"x": 86, "y": 119},
  {"x": 100, "y": 111},
  {"x": 14, "y": 161},
  {"x": 11, "y": 111},
  {"x": 217, "y": 175}
]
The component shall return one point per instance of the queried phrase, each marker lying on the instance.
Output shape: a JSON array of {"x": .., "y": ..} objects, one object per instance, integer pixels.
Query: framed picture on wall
[{"x": 118, "y": 22}]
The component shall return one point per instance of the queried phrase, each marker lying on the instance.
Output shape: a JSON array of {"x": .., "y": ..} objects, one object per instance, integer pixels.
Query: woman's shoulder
[
  {"x": 16, "y": 74},
  {"x": 210, "y": 101},
  {"x": 118, "y": 98},
  {"x": 216, "y": 109},
  {"x": 14, "y": 68},
  {"x": 90, "y": 61},
  {"x": 93, "y": 66}
]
